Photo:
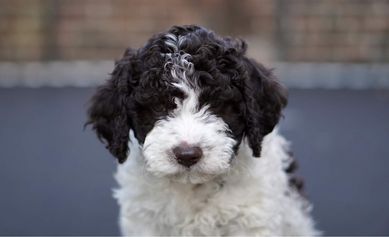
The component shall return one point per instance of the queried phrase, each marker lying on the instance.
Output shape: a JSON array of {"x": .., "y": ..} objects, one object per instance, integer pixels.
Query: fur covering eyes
[{"x": 140, "y": 90}]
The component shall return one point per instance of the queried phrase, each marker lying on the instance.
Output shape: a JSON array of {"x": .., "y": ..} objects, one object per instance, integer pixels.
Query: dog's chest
[{"x": 207, "y": 209}]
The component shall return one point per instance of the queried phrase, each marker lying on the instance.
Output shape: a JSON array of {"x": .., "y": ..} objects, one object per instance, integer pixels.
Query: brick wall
[
  {"x": 282, "y": 30},
  {"x": 335, "y": 30}
]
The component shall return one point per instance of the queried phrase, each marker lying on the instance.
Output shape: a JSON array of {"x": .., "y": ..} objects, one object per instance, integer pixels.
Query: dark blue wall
[{"x": 56, "y": 179}]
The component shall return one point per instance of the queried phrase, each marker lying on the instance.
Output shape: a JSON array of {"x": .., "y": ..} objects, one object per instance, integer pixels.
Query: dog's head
[{"x": 190, "y": 97}]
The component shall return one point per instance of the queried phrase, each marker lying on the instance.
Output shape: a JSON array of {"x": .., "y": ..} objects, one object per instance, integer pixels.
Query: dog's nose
[{"x": 187, "y": 155}]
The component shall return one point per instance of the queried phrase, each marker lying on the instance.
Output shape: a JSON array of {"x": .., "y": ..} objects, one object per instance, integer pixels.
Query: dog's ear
[
  {"x": 108, "y": 113},
  {"x": 264, "y": 98}
]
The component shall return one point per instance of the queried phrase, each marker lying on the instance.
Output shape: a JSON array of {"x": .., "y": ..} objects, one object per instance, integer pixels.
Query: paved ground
[{"x": 56, "y": 179}]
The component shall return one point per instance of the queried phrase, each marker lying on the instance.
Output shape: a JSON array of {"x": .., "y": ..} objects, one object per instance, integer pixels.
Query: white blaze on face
[{"x": 190, "y": 124}]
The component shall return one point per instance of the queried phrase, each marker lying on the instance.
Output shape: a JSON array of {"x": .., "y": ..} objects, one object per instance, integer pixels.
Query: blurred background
[{"x": 56, "y": 178}]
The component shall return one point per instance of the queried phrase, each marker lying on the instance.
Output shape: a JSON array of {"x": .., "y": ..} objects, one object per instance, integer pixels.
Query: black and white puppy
[{"x": 185, "y": 115}]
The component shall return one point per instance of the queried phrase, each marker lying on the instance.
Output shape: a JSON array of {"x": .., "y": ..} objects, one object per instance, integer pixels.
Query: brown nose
[{"x": 187, "y": 155}]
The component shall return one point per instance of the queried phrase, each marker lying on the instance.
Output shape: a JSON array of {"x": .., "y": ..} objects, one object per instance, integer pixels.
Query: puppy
[{"x": 191, "y": 120}]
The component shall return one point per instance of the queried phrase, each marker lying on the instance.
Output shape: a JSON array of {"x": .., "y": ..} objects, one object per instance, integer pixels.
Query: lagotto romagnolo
[{"x": 192, "y": 121}]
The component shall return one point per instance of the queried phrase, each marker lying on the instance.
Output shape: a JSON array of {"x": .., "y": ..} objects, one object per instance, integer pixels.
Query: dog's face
[{"x": 190, "y": 97}]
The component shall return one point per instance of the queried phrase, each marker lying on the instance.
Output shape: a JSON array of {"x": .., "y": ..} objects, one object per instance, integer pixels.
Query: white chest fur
[{"x": 253, "y": 198}]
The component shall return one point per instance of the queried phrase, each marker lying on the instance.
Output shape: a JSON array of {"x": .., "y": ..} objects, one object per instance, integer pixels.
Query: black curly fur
[
  {"x": 265, "y": 98},
  {"x": 295, "y": 181},
  {"x": 242, "y": 92}
]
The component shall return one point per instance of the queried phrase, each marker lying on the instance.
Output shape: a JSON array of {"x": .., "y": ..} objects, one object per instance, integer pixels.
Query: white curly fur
[
  {"x": 191, "y": 125},
  {"x": 253, "y": 198}
]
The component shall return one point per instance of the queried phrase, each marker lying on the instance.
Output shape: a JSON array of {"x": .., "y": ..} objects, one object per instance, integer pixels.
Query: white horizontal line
[{"x": 293, "y": 75}]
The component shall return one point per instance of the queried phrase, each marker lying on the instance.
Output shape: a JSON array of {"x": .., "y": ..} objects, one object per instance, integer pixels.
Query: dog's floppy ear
[
  {"x": 264, "y": 98},
  {"x": 108, "y": 113}
]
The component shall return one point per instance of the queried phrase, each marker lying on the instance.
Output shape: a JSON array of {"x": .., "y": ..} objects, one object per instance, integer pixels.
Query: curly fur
[{"x": 190, "y": 85}]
